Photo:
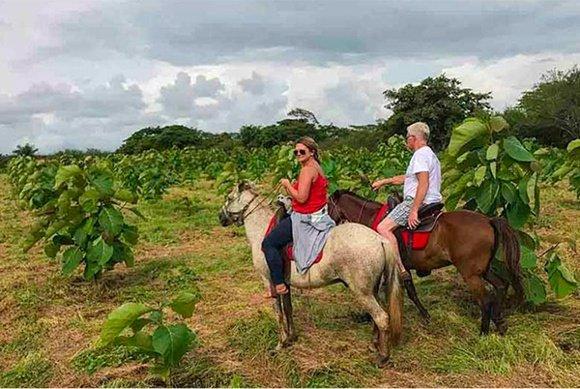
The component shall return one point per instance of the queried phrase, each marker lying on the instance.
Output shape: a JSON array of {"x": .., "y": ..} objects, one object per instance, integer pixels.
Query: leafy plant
[
  {"x": 492, "y": 172},
  {"x": 79, "y": 212},
  {"x": 571, "y": 166},
  {"x": 142, "y": 326}
]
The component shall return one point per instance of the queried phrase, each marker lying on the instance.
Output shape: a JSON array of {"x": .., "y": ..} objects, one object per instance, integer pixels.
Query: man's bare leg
[{"x": 385, "y": 229}]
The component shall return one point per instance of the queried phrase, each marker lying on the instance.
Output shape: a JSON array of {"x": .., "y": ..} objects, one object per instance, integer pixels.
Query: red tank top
[{"x": 317, "y": 197}]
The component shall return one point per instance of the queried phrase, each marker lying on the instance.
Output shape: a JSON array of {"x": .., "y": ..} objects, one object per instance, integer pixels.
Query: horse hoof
[
  {"x": 383, "y": 362},
  {"x": 502, "y": 329},
  {"x": 426, "y": 319}
]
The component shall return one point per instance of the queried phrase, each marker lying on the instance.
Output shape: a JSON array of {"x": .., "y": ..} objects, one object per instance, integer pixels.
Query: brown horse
[{"x": 465, "y": 239}]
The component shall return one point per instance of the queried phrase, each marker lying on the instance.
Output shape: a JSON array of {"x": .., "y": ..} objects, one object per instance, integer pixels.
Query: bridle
[
  {"x": 340, "y": 214},
  {"x": 337, "y": 210},
  {"x": 239, "y": 217}
]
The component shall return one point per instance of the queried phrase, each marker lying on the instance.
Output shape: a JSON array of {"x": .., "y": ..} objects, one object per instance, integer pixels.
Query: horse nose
[{"x": 223, "y": 218}]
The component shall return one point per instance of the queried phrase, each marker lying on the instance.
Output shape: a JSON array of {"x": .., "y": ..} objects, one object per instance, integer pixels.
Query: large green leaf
[
  {"x": 51, "y": 249},
  {"x": 130, "y": 234},
  {"x": 72, "y": 257},
  {"x": 470, "y": 131},
  {"x": 172, "y": 342},
  {"x": 560, "y": 278},
  {"x": 518, "y": 213},
  {"x": 509, "y": 192},
  {"x": 120, "y": 319},
  {"x": 99, "y": 251},
  {"x": 89, "y": 200},
  {"x": 492, "y": 152},
  {"x": 66, "y": 173},
  {"x": 498, "y": 124},
  {"x": 479, "y": 175},
  {"x": 528, "y": 258},
  {"x": 486, "y": 196},
  {"x": 125, "y": 195},
  {"x": 103, "y": 182},
  {"x": 111, "y": 220},
  {"x": 141, "y": 340},
  {"x": 81, "y": 234},
  {"x": 516, "y": 150},
  {"x": 534, "y": 289},
  {"x": 184, "y": 304}
]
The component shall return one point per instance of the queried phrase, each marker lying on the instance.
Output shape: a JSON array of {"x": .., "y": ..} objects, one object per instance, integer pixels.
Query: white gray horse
[{"x": 354, "y": 255}]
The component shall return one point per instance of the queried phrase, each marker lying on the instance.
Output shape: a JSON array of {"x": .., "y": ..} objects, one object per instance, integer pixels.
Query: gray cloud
[
  {"x": 60, "y": 116},
  {"x": 178, "y": 99},
  {"x": 186, "y": 33},
  {"x": 58, "y": 63},
  {"x": 254, "y": 85}
]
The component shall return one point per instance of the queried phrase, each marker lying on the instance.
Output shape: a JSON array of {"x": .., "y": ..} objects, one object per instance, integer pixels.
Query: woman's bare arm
[{"x": 305, "y": 179}]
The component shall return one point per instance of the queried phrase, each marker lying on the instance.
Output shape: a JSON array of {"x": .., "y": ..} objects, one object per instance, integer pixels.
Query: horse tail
[
  {"x": 394, "y": 295},
  {"x": 511, "y": 252}
]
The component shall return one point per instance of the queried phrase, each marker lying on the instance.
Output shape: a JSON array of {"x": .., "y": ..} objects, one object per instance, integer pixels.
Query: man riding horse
[{"x": 421, "y": 185}]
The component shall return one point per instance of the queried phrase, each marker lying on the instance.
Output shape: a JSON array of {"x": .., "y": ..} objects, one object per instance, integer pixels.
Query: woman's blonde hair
[{"x": 311, "y": 145}]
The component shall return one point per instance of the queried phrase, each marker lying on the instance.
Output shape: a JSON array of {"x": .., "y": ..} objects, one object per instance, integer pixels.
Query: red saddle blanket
[
  {"x": 420, "y": 238},
  {"x": 288, "y": 248}
]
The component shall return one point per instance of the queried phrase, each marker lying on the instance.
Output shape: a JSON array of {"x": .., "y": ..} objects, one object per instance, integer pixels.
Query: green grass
[
  {"x": 94, "y": 359},
  {"x": 255, "y": 335},
  {"x": 34, "y": 370},
  {"x": 182, "y": 248},
  {"x": 202, "y": 372},
  {"x": 28, "y": 339}
]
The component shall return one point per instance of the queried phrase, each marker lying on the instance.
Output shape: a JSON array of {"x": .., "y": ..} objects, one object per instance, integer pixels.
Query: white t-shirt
[{"x": 424, "y": 160}]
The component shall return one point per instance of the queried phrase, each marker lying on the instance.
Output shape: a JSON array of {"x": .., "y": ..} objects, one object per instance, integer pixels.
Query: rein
[
  {"x": 362, "y": 210},
  {"x": 243, "y": 213}
]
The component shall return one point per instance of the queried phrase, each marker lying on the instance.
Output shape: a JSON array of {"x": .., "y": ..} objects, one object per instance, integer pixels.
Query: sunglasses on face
[{"x": 299, "y": 152}]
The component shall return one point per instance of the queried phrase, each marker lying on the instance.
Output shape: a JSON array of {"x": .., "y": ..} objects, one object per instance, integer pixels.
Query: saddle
[
  {"x": 407, "y": 239},
  {"x": 417, "y": 239},
  {"x": 287, "y": 252}
]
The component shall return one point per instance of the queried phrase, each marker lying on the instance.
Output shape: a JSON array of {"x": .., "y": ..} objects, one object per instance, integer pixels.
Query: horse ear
[{"x": 245, "y": 185}]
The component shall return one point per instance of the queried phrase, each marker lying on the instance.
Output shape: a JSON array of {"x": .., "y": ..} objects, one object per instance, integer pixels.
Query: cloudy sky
[{"x": 79, "y": 74}]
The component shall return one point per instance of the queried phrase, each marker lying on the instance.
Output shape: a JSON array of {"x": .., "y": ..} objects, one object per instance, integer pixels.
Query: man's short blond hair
[{"x": 419, "y": 129}]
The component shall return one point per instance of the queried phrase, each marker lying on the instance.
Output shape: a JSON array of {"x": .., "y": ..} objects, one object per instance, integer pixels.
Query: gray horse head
[{"x": 237, "y": 203}]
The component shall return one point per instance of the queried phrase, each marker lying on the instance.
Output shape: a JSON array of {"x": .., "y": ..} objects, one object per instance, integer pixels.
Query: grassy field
[{"x": 49, "y": 324}]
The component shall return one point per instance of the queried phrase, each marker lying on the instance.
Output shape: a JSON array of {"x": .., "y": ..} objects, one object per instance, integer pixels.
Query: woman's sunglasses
[{"x": 299, "y": 152}]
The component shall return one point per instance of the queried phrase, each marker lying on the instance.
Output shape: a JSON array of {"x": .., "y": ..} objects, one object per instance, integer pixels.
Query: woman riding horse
[{"x": 309, "y": 224}]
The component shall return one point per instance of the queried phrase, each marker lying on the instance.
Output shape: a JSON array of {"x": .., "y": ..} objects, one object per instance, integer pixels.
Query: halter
[{"x": 240, "y": 215}]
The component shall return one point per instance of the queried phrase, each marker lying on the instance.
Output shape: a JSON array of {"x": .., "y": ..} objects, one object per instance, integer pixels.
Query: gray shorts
[{"x": 400, "y": 214}]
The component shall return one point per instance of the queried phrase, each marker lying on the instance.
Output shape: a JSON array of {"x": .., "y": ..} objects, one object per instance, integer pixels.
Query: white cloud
[
  {"x": 221, "y": 65},
  {"x": 507, "y": 78}
]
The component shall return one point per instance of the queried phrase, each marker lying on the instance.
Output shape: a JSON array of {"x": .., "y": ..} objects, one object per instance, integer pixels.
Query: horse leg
[
  {"x": 381, "y": 321},
  {"x": 289, "y": 317},
  {"x": 484, "y": 297},
  {"x": 412, "y": 293},
  {"x": 282, "y": 334},
  {"x": 501, "y": 287}
]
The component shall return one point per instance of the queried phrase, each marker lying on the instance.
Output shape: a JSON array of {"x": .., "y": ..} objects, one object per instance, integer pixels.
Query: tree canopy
[
  {"x": 550, "y": 111},
  {"x": 162, "y": 138},
  {"x": 440, "y": 102},
  {"x": 26, "y": 150}
]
